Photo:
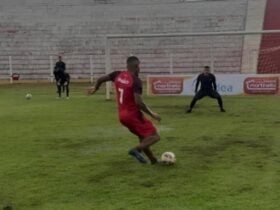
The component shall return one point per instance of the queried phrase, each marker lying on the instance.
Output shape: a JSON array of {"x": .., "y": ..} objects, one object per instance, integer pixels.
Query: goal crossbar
[{"x": 223, "y": 33}]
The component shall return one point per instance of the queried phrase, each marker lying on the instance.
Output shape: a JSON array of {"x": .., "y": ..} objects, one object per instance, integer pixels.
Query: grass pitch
[{"x": 72, "y": 154}]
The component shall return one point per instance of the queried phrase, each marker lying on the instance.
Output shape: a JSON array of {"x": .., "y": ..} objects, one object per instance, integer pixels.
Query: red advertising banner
[
  {"x": 261, "y": 85},
  {"x": 227, "y": 84},
  {"x": 166, "y": 85}
]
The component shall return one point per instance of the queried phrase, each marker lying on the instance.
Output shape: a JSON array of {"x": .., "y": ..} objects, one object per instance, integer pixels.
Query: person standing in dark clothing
[
  {"x": 62, "y": 78},
  {"x": 60, "y": 65},
  {"x": 208, "y": 87},
  {"x": 59, "y": 69}
]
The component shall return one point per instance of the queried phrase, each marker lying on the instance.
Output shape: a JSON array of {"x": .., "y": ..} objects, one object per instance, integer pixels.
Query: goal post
[{"x": 185, "y": 53}]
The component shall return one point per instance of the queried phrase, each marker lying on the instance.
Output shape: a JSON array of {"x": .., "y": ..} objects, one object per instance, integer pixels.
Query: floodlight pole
[
  {"x": 11, "y": 69},
  {"x": 171, "y": 63},
  {"x": 107, "y": 66},
  {"x": 51, "y": 68},
  {"x": 91, "y": 69}
]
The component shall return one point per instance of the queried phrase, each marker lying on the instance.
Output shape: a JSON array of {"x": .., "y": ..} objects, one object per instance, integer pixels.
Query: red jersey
[
  {"x": 126, "y": 85},
  {"x": 129, "y": 113}
]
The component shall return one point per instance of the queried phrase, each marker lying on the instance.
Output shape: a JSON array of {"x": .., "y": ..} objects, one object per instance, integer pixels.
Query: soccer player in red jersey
[{"x": 130, "y": 107}]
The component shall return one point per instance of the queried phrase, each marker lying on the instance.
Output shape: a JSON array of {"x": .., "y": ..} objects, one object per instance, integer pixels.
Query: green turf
[{"x": 72, "y": 154}]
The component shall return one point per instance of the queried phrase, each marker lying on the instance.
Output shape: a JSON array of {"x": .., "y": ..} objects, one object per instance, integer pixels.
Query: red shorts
[{"x": 138, "y": 124}]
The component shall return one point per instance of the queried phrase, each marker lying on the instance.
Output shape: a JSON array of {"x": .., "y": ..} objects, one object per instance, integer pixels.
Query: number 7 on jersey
[{"x": 121, "y": 95}]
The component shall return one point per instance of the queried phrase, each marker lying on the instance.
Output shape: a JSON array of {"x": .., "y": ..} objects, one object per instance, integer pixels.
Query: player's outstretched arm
[
  {"x": 145, "y": 108},
  {"x": 214, "y": 83},
  {"x": 98, "y": 83}
]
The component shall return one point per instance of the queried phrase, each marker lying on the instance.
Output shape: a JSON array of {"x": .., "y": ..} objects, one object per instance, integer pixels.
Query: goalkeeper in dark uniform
[{"x": 208, "y": 87}]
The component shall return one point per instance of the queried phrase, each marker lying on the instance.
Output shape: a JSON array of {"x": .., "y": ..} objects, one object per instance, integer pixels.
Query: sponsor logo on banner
[
  {"x": 167, "y": 85},
  {"x": 261, "y": 85}
]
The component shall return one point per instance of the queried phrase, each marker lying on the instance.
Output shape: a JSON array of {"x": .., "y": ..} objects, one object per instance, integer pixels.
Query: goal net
[{"x": 239, "y": 52}]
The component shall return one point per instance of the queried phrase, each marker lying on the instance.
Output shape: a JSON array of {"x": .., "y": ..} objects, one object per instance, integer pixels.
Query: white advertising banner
[{"x": 227, "y": 84}]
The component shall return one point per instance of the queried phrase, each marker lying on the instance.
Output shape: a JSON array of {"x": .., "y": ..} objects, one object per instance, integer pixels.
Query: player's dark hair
[
  {"x": 131, "y": 59},
  {"x": 207, "y": 67}
]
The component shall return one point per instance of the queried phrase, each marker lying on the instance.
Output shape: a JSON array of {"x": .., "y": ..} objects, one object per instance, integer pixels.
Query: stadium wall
[{"x": 33, "y": 30}]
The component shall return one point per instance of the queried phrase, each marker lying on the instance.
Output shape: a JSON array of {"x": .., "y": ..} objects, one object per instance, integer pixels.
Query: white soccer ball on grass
[
  {"x": 168, "y": 158},
  {"x": 28, "y": 96}
]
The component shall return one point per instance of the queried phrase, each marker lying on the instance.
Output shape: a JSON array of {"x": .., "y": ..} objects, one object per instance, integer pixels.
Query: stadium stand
[{"x": 34, "y": 32}]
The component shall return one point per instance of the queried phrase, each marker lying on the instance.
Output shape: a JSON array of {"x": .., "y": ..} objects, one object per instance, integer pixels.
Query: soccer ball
[
  {"x": 168, "y": 158},
  {"x": 28, "y": 96}
]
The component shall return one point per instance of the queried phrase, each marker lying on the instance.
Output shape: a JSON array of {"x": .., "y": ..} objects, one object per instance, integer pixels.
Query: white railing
[{"x": 47, "y": 73}]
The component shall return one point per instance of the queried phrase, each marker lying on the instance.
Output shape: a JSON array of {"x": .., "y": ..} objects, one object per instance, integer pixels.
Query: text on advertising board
[
  {"x": 261, "y": 85},
  {"x": 162, "y": 85}
]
